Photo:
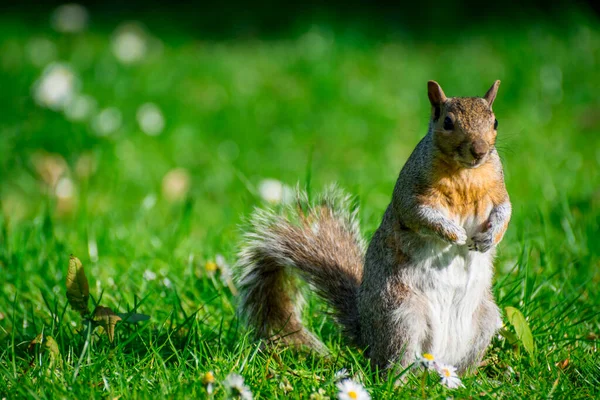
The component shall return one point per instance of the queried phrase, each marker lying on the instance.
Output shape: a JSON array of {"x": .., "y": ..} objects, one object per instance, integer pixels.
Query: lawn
[{"x": 142, "y": 151}]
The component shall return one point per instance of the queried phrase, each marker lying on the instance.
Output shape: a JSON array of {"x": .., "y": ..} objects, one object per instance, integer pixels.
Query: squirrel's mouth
[{"x": 477, "y": 162}]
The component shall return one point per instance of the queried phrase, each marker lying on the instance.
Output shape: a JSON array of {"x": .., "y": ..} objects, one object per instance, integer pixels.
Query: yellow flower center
[
  {"x": 210, "y": 266},
  {"x": 208, "y": 378},
  {"x": 446, "y": 372},
  {"x": 428, "y": 357},
  {"x": 352, "y": 394}
]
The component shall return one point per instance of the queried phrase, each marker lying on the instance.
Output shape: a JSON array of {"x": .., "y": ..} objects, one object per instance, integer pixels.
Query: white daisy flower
[
  {"x": 426, "y": 360},
  {"x": 341, "y": 375},
  {"x": 167, "y": 283},
  {"x": 150, "y": 119},
  {"x": 208, "y": 379},
  {"x": 70, "y": 18},
  {"x": 448, "y": 375},
  {"x": 56, "y": 87},
  {"x": 149, "y": 202},
  {"x": 275, "y": 192},
  {"x": 80, "y": 107},
  {"x": 65, "y": 189},
  {"x": 149, "y": 275},
  {"x": 130, "y": 44},
  {"x": 235, "y": 387},
  {"x": 350, "y": 390},
  {"x": 226, "y": 273},
  {"x": 107, "y": 121}
]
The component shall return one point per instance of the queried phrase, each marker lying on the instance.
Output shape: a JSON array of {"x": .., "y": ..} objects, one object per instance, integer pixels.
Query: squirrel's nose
[{"x": 479, "y": 148}]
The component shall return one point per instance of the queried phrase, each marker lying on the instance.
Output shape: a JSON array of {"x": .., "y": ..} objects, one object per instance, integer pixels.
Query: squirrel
[{"x": 423, "y": 285}]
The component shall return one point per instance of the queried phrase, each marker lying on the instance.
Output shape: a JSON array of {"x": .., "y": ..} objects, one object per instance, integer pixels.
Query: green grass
[{"x": 324, "y": 105}]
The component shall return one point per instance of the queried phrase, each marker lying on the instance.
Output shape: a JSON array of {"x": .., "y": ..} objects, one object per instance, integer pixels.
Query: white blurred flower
[
  {"x": 107, "y": 121},
  {"x": 448, "y": 376},
  {"x": 226, "y": 273},
  {"x": 221, "y": 262},
  {"x": 93, "y": 250},
  {"x": 70, "y": 18},
  {"x": 80, "y": 107},
  {"x": 427, "y": 360},
  {"x": 40, "y": 51},
  {"x": 149, "y": 202},
  {"x": 56, "y": 87},
  {"x": 150, "y": 119},
  {"x": 176, "y": 184},
  {"x": 130, "y": 44},
  {"x": 350, "y": 390},
  {"x": 149, "y": 275},
  {"x": 167, "y": 283},
  {"x": 208, "y": 380},
  {"x": 65, "y": 196},
  {"x": 235, "y": 387},
  {"x": 65, "y": 189},
  {"x": 275, "y": 192}
]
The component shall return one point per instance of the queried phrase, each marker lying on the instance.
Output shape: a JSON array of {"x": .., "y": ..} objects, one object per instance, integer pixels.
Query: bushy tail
[{"x": 318, "y": 242}]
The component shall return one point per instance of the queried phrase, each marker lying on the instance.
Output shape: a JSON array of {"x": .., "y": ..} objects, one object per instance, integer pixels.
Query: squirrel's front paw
[
  {"x": 457, "y": 236},
  {"x": 482, "y": 241}
]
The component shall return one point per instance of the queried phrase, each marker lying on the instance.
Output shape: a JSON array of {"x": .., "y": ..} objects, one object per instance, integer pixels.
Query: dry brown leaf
[
  {"x": 78, "y": 290},
  {"x": 49, "y": 346},
  {"x": 107, "y": 319},
  {"x": 563, "y": 364}
]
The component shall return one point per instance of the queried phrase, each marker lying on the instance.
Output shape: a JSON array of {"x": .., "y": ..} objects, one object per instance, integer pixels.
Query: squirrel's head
[{"x": 463, "y": 128}]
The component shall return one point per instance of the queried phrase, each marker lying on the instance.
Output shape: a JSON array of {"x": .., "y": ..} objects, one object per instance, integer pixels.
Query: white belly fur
[{"x": 456, "y": 281}]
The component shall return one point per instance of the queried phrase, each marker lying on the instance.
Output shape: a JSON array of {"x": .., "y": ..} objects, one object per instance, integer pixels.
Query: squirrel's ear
[
  {"x": 491, "y": 94},
  {"x": 435, "y": 93}
]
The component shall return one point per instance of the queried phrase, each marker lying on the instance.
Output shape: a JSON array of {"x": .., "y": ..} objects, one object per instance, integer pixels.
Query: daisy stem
[{"x": 423, "y": 378}]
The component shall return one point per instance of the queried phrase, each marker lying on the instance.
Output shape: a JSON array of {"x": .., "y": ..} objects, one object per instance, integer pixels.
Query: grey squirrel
[{"x": 423, "y": 285}]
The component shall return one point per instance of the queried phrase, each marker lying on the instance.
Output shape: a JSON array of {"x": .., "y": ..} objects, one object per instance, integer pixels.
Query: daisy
[
  {"x": 107, "y": 121},
  {"x": 130, "y": 43},
  {"x": 350, "y": 390},
  {"x": 210, "y": 267},
  {"x": 449, "y": 377},
  {"x": 150, "y": 119},
  {"x": 234, "y": 384},
  {"x": 208, "y": 379},
  {"x": 274, "y": 192},
  {"x": 427, "y": 360},
  {"x": 56, "y": 87},
  {"x": 70, "y": 18}
]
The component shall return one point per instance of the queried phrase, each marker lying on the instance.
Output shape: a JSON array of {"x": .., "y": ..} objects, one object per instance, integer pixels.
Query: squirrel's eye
[
  {"x": 495, "y": 124},
  {"x": 448, "y": 124}
]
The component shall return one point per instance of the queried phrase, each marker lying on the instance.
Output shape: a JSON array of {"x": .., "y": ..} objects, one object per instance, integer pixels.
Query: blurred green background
[{"x": 139, "y": 139}]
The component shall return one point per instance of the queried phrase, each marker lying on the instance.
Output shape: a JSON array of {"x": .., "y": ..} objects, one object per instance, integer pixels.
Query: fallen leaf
[
  {"x": 563, "y": 364},
  {"x": 48, "y": 346},
  {"x": 518, "y": 321},
  {"x": 107, "y": 319},
  {"x": 78, "y": 290}
]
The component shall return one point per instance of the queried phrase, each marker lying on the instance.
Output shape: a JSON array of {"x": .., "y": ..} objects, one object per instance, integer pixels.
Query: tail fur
[{"x": 319, "y": 242}]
